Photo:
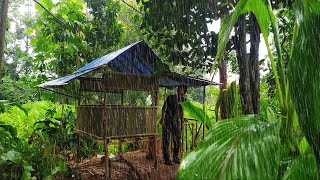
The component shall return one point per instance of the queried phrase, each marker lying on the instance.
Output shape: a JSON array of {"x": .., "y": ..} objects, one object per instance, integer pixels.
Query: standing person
[{"x": 172, "y": 124}]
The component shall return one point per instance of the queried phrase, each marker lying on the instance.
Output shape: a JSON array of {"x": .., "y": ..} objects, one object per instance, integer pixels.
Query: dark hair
[{"x": 185, "y": 88}]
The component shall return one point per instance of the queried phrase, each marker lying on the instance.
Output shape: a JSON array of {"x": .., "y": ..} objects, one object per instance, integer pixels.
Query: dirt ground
[{"x": 93, "y": 168}]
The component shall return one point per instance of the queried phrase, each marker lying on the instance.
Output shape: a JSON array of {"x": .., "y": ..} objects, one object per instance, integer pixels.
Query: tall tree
[
  {"x": 3, "y": 28},
  {"x": 249, "y": 80},
  {"x": 18, "y": 56},
  {"x": 180, "y": 29},
  {"x": 74, "y": 34},
  {"x": 254, "y": 63}
]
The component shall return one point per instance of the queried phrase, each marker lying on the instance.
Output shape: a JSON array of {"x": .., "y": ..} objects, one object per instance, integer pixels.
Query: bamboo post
[
  {"x": 120, "y": 147},
  {"x": 156, "y": 97},
  {"x": 186, "y": 137},
  {"x": 122, "y": 96},
  {"x": 107, "y": 163},
  {"x": 204, "y": 107},
  {"x": 192, "y": 136},
  {"x": 79, "y": 99},
  {"x": 109, "y": 168},
  {"x": 106, "y": 158},
  {"x": 155, "y": 152},
  {"x": 195, "y": 137}
]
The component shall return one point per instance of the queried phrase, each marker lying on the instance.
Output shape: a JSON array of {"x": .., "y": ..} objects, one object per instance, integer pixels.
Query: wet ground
[{"x": 141, "y": 168}]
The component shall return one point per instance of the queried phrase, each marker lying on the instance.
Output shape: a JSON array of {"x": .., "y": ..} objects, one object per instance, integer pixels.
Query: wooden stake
[
  {"x": 155, "y": 153},
  {"x": 106, "y": 159},
  {"x": 78, "y": 148}
]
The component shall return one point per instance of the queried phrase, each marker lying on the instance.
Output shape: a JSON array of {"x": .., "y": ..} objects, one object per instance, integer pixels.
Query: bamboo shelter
[{"x": 103, "y": 112}]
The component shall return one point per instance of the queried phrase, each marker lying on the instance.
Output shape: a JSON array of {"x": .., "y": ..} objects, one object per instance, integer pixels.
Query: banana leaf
[
  {"x": 197, "y": 113},
  {"x": 239, "y": 148},
  {"x": 304, "y": 71},
  {"x": 303, "y": 167}
]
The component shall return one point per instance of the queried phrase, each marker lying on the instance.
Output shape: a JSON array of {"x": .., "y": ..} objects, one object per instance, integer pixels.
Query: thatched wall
[{"x": 120, "y": 121}]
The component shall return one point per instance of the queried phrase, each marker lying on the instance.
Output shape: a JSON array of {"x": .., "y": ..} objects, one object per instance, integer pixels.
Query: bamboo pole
[
  {"x": 106, "y": 159},
  {"x": 186, "y": 136},
  {"x": 204, "y": 107},
  {"x": 155, "y": 153},
  {"x": 192, "y": 136},
  {"x": 120, "y": 147}
]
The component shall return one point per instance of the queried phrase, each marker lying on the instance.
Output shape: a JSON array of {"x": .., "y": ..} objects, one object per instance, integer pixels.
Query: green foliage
[
  {"x": 41, "y": 133},
  {"x": 263, "y": 12},
  {"x": 303, "y": 167},
  {"x": 179, "y": 32},
  {"x": 130, "y": 21},
  {"x": 7, "y": 127},
  {"x": 76, "y": 38},
  {"x": 20, "y": 90},
  {"x": 239, "y": 148},
  {"x": 303, "y": 72},
  {"x": 12, "y": 165},
  {"x": 304, "y": 146},
  {"x": 230, "y": 96},
  {"x": 18, "y": 53},
  {"x": 196, "y": 113},
  {"x": 265, "y": 17},
  {"x": 29, "y": 147}
]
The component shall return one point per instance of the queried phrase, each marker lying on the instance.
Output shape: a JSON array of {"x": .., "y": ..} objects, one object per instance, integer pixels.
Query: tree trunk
[
  {"x": 254, "y": 63},
  {"x": 223, "y": 87},
  {"x": 244, "y": 69},
  {"x": 3, "y": 27}
]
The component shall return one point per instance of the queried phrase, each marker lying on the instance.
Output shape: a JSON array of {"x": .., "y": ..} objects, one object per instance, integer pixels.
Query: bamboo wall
[
  {"x": 120, "y": 121},
  {"x": 116, "y": 120},
  {"x": 89, "y": 119}
]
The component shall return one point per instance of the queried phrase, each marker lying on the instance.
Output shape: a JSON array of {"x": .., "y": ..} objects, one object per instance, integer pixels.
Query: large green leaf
[
  {"x": 197, "y": 113},
  {"x": 26, "y": 175},
  {"x": 303, "y": 167},
  {"x": 12, "y": 156},
  {"x": 304, "y": 71},
  {"x": 239, "y": 148}
]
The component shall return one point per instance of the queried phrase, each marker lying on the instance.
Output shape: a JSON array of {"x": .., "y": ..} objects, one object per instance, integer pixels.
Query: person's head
[{"x": 182, "y": 90}]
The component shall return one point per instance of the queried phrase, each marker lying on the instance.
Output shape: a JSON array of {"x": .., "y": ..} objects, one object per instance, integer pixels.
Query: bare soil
[{"x": 93, "y": 168}]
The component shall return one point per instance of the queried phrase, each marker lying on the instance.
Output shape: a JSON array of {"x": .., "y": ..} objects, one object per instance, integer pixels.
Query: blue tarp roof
[{"x": 137, "y": 58}]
